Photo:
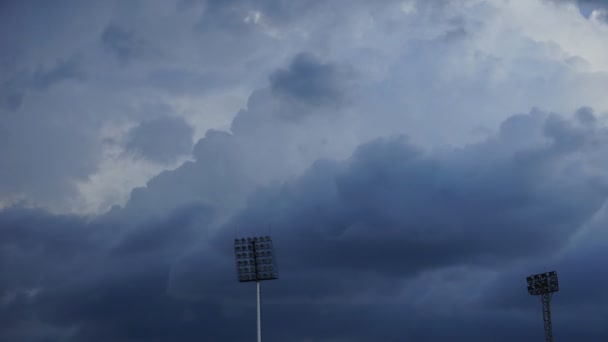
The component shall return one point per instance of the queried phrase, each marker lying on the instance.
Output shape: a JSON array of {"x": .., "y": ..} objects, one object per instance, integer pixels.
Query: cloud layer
[
  {"x": 413, "y": 161},
  {"x": 391, "y": 232}
]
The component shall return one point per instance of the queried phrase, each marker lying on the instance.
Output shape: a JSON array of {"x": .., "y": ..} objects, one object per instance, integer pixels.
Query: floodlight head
[
  {"x": 542, "y": 283},
  {"x": 255, "y": 259}
]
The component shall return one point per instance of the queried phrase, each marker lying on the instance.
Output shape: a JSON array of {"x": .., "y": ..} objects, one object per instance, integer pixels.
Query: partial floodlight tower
[
  {"x": 255, "y": 261},
  {"x": 544, "y": 285}
]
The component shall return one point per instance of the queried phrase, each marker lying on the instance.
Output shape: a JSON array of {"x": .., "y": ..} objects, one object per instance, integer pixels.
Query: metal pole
[
  {"x": 259, "y": 314},
  {"x": 546, "y": 300}
]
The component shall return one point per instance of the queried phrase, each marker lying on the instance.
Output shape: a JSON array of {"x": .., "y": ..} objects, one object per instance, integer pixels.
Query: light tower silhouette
[
  {"x": 255, "y": 261},
  {"x": 544, "y": 285}
]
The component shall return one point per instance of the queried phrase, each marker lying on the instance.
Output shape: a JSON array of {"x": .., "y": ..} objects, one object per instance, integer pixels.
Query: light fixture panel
[
  {"x": 255, "y": 259},
  {"x": 543, "y": 283}
]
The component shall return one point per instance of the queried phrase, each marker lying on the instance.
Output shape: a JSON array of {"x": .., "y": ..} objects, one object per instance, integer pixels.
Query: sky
[{"x": 414, "y": 161}]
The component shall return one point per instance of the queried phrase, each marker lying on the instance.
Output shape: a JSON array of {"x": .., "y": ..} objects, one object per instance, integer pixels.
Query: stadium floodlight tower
[
  {"x": 255, "y": 261},
  {"x": 544, "y": 285}
]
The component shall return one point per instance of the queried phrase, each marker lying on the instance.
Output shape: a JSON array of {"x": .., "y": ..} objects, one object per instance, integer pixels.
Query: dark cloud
[
  {"x": 70, "y": 69},
  {"x": 41, "y": 78},
  {"x": 31, "y": 143},
  {"x": 162, "y": 140},
  {"x": 231, "y": 35},
  {"x": 392, "y": 232},
  {"x": 229, "y": 165},
  {"x": 26, "y": 138},
  {"x": 392, "y": 242},
  {"x": 396, "y": 200},
  {"x": 218, "y": 176},
  {"x": 11, "y": 99},
  {"x": 184, "y": 81},
  {"x": 581, "y": 286},
  {"x": 13, "y": 91},
  {"x": 206, "y": 51},
  {"x": 123, "y": 43},
  {"x": 310, "y": 81}
]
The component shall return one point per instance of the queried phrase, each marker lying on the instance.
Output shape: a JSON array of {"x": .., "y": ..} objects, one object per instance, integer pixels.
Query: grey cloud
[
  {"x": 230, "y": 14},
  {"x": 63, "y": 70},
  {"x": 228, "y": 166},
  {"x": 603, "y": 15},
  {"x": 41, "y": 78},
  {"x": 13, "y": 91},
  {"x": 185, "y": 81},
  {"x": 581, "y": 280},
  {"x": 32, "y": 238},
  {"x": 588, "y": 6},
  {"x": 123, "y": 43},
  {"x": 396, "y": 200},
  {"x": 12, "y": 100},
  {"x": 390, "y": 223},
  {"x": 199, "y": 60},
  {"x": 361, "y": 244},
  {"x": 310, "y": 81},
  {"x": 286, "y": 14},
  {"x": 598, "y": 3},
  {"x": 31, "y": 143},
  {"x": 78, "y": 271},
  {"x": 226, "y": 16},
  {"x": 184, "y": 222},
  {"x": 162, "y": 140},
  {"x": 426, "y": 68},
  {"x": 230, "y": 40},
  {"x": 218, "y": 176}
]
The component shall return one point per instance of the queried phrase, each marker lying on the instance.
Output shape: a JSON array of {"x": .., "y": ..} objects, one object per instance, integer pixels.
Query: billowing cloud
[
  {"x": 310, "y": 81},
  {"x": 124, "y": 44},
  {"x": 392, "y": 231},
  {"x": 41, "y": 78},
  {"x": 450, "y": 208},
  {"x": 203, "y": 59},
  {"x": 27, "y": 142},
  {"x": 162, "y": 139},
  {"x": 413, "y": 161}
]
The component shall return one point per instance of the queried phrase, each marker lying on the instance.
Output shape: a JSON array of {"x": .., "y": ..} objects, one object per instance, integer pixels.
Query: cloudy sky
[{"x": 414, "y": 161}]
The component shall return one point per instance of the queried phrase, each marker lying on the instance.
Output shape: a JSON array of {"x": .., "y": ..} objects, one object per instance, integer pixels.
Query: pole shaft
[
  {"x": 259, "y": 313},
  {"x": 546, "y": 300}
]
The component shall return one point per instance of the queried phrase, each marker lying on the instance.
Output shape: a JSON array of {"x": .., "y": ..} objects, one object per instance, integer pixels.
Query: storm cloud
[
  {"x": 413, "y": 161},
  {"x": 163, "y": 139},
  {"x": 124, "y": 44},
  {"x": 309, "y": 80},
  {"x": 355, "y": 239}
]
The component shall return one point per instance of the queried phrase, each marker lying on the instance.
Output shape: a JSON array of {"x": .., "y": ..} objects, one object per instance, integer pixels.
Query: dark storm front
[{"x": 255, "y": 259}]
